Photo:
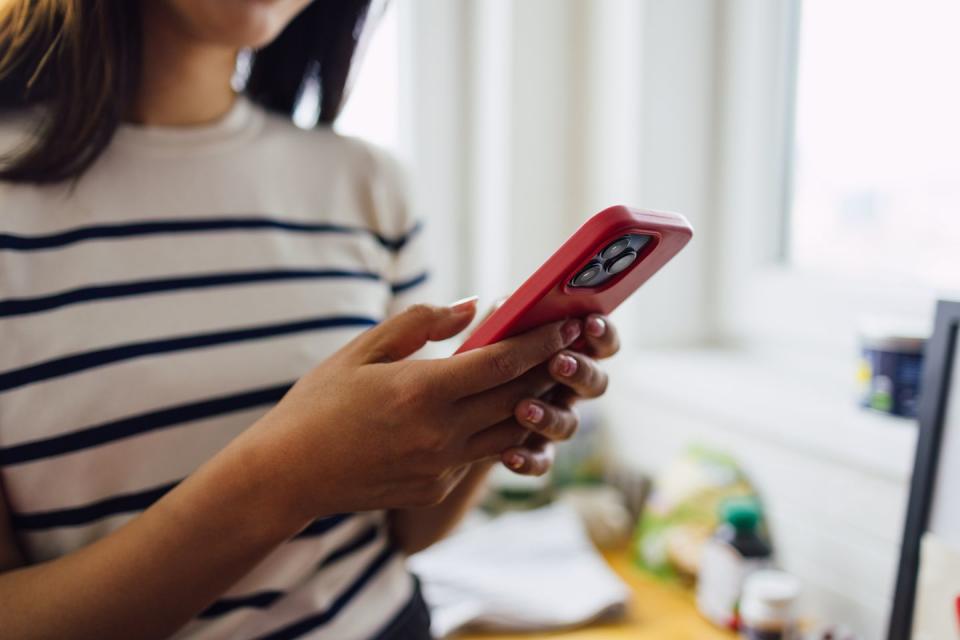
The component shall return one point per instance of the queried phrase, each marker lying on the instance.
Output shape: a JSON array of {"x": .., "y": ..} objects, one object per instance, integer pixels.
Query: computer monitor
[{"x": 933, "y": 509}]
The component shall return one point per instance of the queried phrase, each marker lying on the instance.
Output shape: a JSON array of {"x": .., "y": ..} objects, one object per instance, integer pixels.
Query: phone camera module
[
  {"x": 615, "y": 248},
  {"x": 621, "y": 262},
  {"x": 588, "y": 276},
  {"x": 615, "y": 258}
]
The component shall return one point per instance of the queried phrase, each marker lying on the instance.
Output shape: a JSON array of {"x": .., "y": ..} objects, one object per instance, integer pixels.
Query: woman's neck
[{"x": 182, "y": 81}]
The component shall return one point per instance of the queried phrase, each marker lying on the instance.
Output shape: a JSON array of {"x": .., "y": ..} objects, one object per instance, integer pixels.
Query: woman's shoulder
[
  {"x": 323, "y": 142},
  {"x": 371, "y": 174}
]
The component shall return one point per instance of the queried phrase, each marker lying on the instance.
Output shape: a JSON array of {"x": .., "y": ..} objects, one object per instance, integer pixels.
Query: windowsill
[{"x": 806, "y": 405}]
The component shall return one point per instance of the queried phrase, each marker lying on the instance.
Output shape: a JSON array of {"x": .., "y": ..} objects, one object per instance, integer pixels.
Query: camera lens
[
  {"x": 588, "y": 275},
  {"x": 615, "y": 248},
  {"x": 621, "y": 262}
]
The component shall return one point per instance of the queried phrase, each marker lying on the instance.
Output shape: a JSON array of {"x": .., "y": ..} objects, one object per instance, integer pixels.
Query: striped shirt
[{"x": 159, "y": 306}]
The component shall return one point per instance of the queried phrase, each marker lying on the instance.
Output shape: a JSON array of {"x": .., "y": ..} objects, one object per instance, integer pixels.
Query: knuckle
[
  {"x": 409, "y": 392},
  {"x": 420, "y": 388},
  {"x": 603, "y": 380},
  {"x": 506, "y": 364},
  {"x": 551, "y": 425},
  {"x": 433, "y": 440},
  {"x": 593, "y": 381},
  {"x": 571, "y": 425},
  {"x": 419, "y": 309},
  {"x": 420, "y": 312},
  {"x": 589, "y": 377},
  {"x": 563, "y": 425},
  {"x": 406, "y": 398},
  {"x": 555, "y": 341}
]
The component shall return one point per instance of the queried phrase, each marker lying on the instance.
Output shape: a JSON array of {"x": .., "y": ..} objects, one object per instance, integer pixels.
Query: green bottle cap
[{"x": 743, "y": 514}]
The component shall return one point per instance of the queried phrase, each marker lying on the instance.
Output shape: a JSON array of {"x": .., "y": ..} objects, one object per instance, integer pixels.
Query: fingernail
[
  {"x": 570, "y": 330},
  {"x": 534, "y": 413},
  {"x": 596, "y": 326},
  {"x": 465, "y": 304},
  {"x": 566, "y": 365},
  {"x": 514, "y": 460}
]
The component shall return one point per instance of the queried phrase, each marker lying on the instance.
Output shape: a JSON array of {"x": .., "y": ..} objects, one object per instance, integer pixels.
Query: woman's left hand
[{"x": 552, "y": 418}]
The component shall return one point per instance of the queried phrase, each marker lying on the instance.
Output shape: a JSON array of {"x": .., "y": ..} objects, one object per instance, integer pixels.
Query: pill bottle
[
  {"x": 736, "y": 550},
  {"x": 768, "y": 606}
]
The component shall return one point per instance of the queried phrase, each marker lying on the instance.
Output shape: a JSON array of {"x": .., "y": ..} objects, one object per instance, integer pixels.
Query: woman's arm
[
  {"x": 153, "y": 575},
  {"x": 366, "y": 429}
]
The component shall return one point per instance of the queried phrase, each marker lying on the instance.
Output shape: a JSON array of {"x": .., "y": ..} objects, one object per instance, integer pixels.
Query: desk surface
[{"x": 655, "y": 612}]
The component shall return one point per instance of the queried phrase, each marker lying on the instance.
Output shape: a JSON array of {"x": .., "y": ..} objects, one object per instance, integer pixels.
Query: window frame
[{"x": 764, "y": 302}]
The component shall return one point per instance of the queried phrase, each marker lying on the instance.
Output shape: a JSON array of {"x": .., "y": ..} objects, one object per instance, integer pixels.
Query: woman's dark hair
[{"x": 80, "y": 61}]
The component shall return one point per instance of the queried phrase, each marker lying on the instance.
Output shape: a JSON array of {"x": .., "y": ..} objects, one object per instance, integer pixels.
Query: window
[
  {"x": 371, "y": 110},
  {"x": 373, "y": 106},
  {"x": 876, "y": 156}
]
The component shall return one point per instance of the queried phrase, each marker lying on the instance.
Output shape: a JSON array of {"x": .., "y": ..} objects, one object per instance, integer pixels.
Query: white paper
[
  {"x": 524, "y": 571},
  {"x": 938, "y": 587}
]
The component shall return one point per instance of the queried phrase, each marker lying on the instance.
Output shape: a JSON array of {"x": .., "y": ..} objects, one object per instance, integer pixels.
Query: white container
[
  {"x": 723, "y": 572},
  {"x": 768, "y": 606}
]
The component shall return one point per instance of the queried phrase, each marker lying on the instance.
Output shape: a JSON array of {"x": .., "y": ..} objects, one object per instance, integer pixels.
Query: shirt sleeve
[
  {"x": 401, "y": 232},
  {"x": 410, "y": 273},
  {"x": 408, "y": 268}
]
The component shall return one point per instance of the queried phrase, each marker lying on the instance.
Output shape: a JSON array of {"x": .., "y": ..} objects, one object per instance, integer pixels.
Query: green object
[
  {"x": 686, "y": 505},
  {"x": 881, "y": 401},
  {"x": 742, "y": 513}
]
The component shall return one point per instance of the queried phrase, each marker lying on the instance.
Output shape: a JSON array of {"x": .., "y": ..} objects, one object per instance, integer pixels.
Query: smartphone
[{"x": 596, "y": 269}]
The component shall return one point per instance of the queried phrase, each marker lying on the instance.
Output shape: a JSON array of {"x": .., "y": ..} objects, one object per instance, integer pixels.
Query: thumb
[{"x": 408, "y": 331}]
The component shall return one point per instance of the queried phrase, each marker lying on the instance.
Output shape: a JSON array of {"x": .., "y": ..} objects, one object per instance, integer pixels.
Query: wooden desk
[{"x": 655, "y": 612}]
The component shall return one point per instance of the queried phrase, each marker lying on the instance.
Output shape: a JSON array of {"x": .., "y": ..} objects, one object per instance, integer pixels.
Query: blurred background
[{"x": 812, "y": 145}]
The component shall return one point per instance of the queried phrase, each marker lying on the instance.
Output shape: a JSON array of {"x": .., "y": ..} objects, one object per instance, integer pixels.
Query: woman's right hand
[{"x": 368, "y": 429}]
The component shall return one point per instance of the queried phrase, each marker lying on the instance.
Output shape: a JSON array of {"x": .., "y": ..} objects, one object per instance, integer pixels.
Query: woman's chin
[{"x": 237, "y": 23}]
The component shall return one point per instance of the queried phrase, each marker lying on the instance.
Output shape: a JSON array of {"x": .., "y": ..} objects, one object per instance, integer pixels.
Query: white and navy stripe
[
  {"x": 136, "y": 341},
  {"x": 15, "y": 242}
]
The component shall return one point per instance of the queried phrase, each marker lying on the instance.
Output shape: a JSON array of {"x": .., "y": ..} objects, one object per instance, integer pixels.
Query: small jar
[
  {"x": 890, "y": 366},
  {"x": 768, "y": 606}
]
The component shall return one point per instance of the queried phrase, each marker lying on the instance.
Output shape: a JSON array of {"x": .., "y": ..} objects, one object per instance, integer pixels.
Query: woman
[{"x": 173, "y": 255}]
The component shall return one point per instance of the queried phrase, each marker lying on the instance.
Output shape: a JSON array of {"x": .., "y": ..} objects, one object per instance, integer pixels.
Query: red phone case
[{"x": 548, "y": 296}]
